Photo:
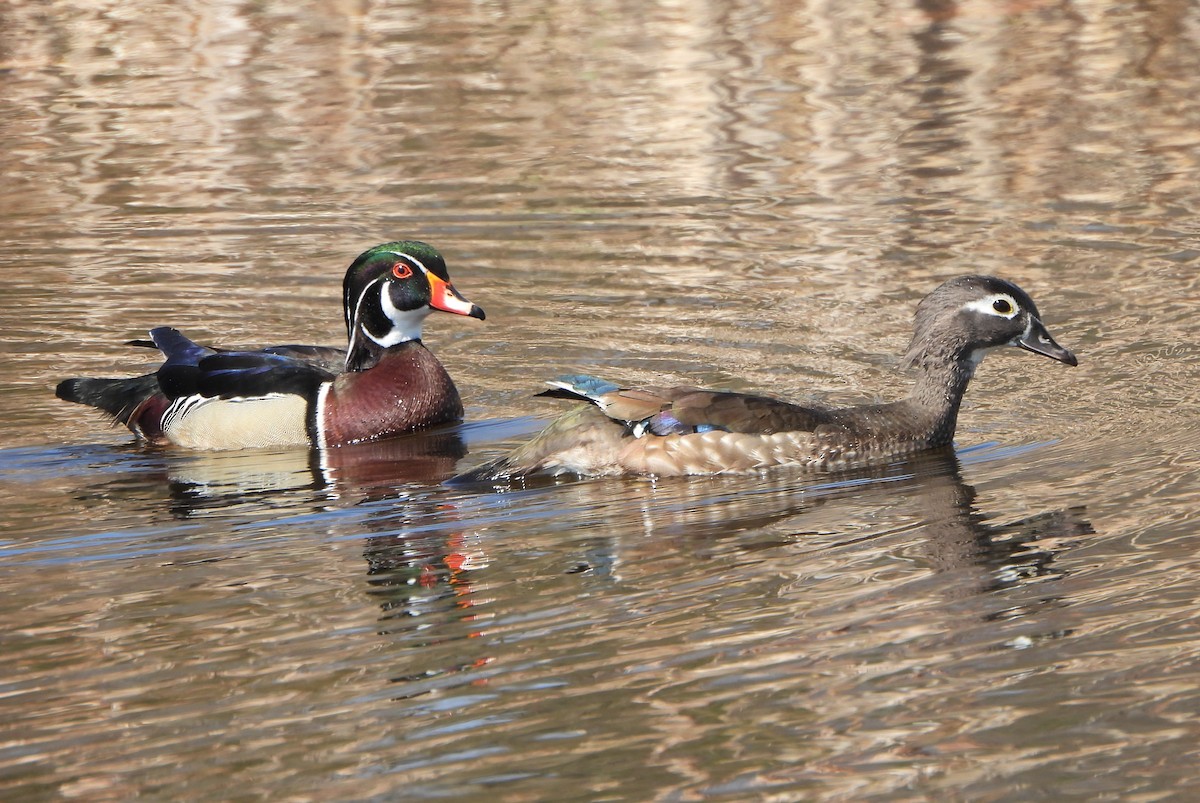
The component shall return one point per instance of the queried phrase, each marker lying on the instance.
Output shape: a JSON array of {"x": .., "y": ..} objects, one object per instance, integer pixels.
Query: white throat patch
[
  {"x": 406, "y": 324},
  {"x": 976, "y": 357}
]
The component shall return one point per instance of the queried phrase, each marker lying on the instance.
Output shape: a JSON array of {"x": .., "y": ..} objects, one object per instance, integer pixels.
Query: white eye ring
[{"x": 1002, "y": 305}]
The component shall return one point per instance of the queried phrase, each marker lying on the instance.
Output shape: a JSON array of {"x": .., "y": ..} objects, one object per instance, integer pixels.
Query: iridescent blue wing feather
[
  {"x": 194, "y": 370},
  {"x": 247, "y": 374}
]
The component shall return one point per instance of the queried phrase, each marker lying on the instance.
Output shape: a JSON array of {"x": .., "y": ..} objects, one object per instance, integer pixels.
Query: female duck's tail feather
[{"x": 580, "y": 441}]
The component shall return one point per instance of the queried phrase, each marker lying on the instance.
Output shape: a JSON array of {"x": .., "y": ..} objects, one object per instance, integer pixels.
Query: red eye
[{"x": 401, "y": 270}]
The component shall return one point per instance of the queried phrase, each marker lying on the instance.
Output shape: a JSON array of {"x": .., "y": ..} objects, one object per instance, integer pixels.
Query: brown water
[{"x": 748, "y": 195}]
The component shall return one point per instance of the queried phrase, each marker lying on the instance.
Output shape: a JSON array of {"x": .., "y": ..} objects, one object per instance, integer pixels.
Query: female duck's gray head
[{"x": 968, "y": 316}]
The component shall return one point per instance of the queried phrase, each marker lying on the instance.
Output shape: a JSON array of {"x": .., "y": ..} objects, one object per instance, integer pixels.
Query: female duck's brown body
[{"x": 686, "y": 430}]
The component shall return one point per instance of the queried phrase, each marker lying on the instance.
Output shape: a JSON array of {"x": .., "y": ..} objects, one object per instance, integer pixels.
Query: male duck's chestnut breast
[{"x": 407, "y": 389}]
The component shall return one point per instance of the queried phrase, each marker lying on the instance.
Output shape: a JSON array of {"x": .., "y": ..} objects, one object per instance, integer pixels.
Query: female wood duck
[
  {"x": 668, "y": 431},
  {"x": 385, "y": 382}
]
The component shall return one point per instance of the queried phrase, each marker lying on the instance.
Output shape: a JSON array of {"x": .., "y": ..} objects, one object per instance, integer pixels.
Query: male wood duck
[
  {"x": 384, "y": 383},
  {"x": 669, "y": 431}
]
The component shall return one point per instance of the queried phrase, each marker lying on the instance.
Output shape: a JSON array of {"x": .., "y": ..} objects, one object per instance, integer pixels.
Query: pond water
[{"x": 748, "y": 195}]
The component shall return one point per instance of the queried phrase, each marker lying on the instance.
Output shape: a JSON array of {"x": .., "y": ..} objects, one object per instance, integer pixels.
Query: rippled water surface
[{"x": 741, "y": 194}]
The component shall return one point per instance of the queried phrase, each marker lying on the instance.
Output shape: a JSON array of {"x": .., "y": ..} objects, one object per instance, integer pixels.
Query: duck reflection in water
[
  {"x": 646, "y": 520},
  {"x": 215, "y": 481},
  {"x": 431, "y": 576},
  {"x": 957, "y": 537},
  {"x": 423, "y": 570}
]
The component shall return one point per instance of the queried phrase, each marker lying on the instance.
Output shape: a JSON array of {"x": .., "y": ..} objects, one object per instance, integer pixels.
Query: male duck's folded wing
[
  {"x": 330, "y": 358},
  {"x": 191, "y": 369},
  {"x": 179, "y": 374},
  {"x": 249, "y": 374},
  {"x": 327, "y": 358}
]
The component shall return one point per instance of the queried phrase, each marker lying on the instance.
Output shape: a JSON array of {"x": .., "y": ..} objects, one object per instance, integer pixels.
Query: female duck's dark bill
[
  {"x": 1038, "y": 340},
  {"x": 447, "y": 299}
]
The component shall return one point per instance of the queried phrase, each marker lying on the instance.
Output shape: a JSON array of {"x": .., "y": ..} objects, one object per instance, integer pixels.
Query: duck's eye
[
  {"x": 1003, "y": 306},
  {"x": 401, "y": 270}
]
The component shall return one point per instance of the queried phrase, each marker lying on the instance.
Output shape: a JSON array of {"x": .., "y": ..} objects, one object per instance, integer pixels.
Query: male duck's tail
[{"x": 120, "y": 398}]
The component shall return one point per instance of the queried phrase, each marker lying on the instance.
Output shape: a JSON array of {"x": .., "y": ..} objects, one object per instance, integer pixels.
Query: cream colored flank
[{"x": 276, "y": 420}]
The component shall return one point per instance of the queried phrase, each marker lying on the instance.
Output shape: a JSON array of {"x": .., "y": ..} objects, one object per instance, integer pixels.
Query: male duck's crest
[
  {"x": 384, "y": 383},
  {"x": 688, "y": 430}
]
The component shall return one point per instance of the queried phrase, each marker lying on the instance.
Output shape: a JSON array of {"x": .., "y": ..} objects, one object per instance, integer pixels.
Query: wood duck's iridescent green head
[
  {"x": 968, "y": 316},
  {"x": 387, "y": 294}
]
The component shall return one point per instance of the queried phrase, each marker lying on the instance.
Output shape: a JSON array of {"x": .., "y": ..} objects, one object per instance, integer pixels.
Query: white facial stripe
[
  {"x": 408, "y": 322},
  {"x": 359, "y": 303},
  {"x": 410, "y": 258},
  {"x": 986, "y": 305},
  {"x": 1016, "y": 341}
]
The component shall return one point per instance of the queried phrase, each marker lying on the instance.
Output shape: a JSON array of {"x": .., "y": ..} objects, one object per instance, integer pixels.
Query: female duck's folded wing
[
  {"x": 685, "y": 408},
  {"x": 584, "y": 436},
  {"x": 628, "y": 405},
  {"x": 695, "y": 410}
]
